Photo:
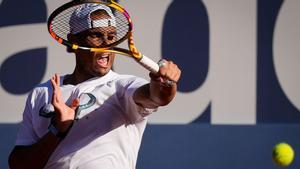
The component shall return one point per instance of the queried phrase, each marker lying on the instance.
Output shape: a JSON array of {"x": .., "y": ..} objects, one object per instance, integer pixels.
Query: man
[{"x": 99, "y": 116}]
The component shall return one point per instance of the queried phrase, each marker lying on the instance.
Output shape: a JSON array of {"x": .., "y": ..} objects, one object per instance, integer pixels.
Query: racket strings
[{"x": 62, "y": 22}]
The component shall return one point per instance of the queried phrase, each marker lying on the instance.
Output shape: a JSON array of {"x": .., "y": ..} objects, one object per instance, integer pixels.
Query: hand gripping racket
[{"x": 59, "y": 28}]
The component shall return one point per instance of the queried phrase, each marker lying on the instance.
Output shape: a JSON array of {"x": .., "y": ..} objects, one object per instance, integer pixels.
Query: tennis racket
[{"x": 59, "y": 28}]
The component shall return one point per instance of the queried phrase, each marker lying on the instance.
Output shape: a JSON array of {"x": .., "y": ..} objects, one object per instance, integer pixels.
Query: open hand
[{"x": 65, "y": 115}]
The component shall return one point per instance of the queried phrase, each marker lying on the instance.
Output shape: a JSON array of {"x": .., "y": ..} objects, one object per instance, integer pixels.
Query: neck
[{"x": 76, "y": 77}]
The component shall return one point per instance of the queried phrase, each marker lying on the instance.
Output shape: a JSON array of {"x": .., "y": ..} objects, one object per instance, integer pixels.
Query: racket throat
[{"x": 136, "y": 54}]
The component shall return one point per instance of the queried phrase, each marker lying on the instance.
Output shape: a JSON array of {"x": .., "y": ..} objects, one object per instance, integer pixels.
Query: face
[{"x": 95, "y": 63}]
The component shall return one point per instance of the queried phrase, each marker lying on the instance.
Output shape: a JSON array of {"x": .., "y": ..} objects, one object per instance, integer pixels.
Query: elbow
[
  {"x": 166, "y": 99},
  {"x": 11, "y": 161},
  {"x": 163, "y": 102},
  {"x": 15, "y": 160}
]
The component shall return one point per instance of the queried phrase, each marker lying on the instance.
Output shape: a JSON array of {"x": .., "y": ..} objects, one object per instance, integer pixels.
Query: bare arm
[
  {"x": 37, "y": 155},
  {"x": 33, "y": 156},
  {"x": 157, "y": 93}
]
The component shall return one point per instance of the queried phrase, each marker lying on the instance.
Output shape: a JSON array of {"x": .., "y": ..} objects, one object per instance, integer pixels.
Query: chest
[{"x": 99, "y": 108}]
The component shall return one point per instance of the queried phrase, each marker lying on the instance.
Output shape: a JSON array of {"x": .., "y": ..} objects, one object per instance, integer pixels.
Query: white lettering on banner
[
  {"x": 186, "y": 106},
  {"x": 232, "y": 61},
  {"x": 58, "y": 60},
  {"x": 12, "y": 106},
  {"x": 230, "y": 87},
  {"x": 287, "y": 50}
]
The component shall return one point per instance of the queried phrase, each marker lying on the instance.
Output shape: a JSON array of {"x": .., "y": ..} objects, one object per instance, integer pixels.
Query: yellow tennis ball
[{"x": 283, "y": 154}]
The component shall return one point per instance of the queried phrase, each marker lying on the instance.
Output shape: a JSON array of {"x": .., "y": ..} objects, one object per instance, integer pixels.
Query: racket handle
[{"x": 149, "y": 64}]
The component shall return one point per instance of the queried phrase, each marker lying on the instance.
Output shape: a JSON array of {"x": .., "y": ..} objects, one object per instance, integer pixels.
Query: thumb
[
  {"x": 155, "y": 77},
  {"x": 75, "y": 104}
]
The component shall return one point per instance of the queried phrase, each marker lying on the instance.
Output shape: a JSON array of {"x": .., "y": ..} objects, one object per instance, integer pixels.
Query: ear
[{"x": 71, "y": 38}]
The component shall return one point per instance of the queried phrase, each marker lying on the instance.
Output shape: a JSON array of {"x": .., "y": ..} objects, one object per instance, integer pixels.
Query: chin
[{"x": 101, "y": 72}]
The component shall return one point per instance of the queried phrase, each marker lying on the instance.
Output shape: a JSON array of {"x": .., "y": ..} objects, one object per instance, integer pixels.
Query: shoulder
[
  {"x": 43, "y": 87},
  {"x": 38, "y": 96},
  {"x": 40, "y": 92}
]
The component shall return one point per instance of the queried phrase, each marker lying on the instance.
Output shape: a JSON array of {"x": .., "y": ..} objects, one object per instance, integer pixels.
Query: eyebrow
[{"x": 113, "y": 32}]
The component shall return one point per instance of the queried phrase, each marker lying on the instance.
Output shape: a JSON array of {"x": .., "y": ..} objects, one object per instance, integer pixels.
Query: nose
[{"x": 103, "y": 41}]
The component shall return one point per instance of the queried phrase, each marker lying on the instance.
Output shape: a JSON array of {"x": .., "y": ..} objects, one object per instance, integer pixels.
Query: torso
[{"x": 107, "y": 134}]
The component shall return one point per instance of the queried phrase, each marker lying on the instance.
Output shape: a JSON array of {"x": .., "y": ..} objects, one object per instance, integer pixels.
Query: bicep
[
  {"x": 133, "y": 97},
  {"x": 17, "y": 155},
  {"x": 26, "y": 134}
]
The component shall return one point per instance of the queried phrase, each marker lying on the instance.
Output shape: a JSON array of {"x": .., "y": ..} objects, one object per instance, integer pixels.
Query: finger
[
  {"x": 175, "y": 73},
  {"x": 168, "y": 72},
  {"x": 57, "y": 79},
  {"x": 178, "y": 76},
  {"x": 75, "y": 104},
  {"x": 172, "y": 76},
  {"x": 53, "y": 95},
  {"x": 165, "y": 68},
  {"x": 162, "y": 63},
  {"x": 53, "y": 83}
]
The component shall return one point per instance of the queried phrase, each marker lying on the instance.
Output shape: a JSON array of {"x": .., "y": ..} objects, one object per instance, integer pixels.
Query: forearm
[
  {"x": 162, "y": 94},
  {"x": 34, "y": 156},
  {"x": 154, "y": 94},
  {"x": 159, "y": 92}
]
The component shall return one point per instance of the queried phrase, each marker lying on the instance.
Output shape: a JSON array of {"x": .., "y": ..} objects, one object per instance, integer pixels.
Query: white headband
[
  {"x": 103, "y": 23},
  {"x": 80, "y": 19}
]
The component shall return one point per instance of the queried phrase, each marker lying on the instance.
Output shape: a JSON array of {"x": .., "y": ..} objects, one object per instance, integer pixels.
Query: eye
[
  {"x": 94, "y": 35},
  {"x": 111, "y": 37}
]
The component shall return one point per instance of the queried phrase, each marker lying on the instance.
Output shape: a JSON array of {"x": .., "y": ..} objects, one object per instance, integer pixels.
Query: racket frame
[{"x": 132, "y": 52}]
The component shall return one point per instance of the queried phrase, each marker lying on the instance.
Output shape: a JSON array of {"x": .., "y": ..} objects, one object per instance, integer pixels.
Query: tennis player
[{"x": 93, "y": 118}]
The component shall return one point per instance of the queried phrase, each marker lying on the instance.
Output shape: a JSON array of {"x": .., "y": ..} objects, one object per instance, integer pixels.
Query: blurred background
[{"x": 239, "y": 92}]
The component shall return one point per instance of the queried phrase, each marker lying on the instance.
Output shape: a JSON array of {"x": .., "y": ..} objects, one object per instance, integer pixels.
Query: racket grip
[{"x": 149, "y": 64}]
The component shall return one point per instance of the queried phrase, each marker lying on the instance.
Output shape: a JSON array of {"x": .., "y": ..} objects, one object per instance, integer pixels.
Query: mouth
[{"x": 103, "y": 60}]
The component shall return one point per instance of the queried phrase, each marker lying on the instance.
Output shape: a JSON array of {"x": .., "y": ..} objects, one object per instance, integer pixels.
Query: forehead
[
  {"x": 99, "y": 14},
  {"x": 102, "y": 30}
]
